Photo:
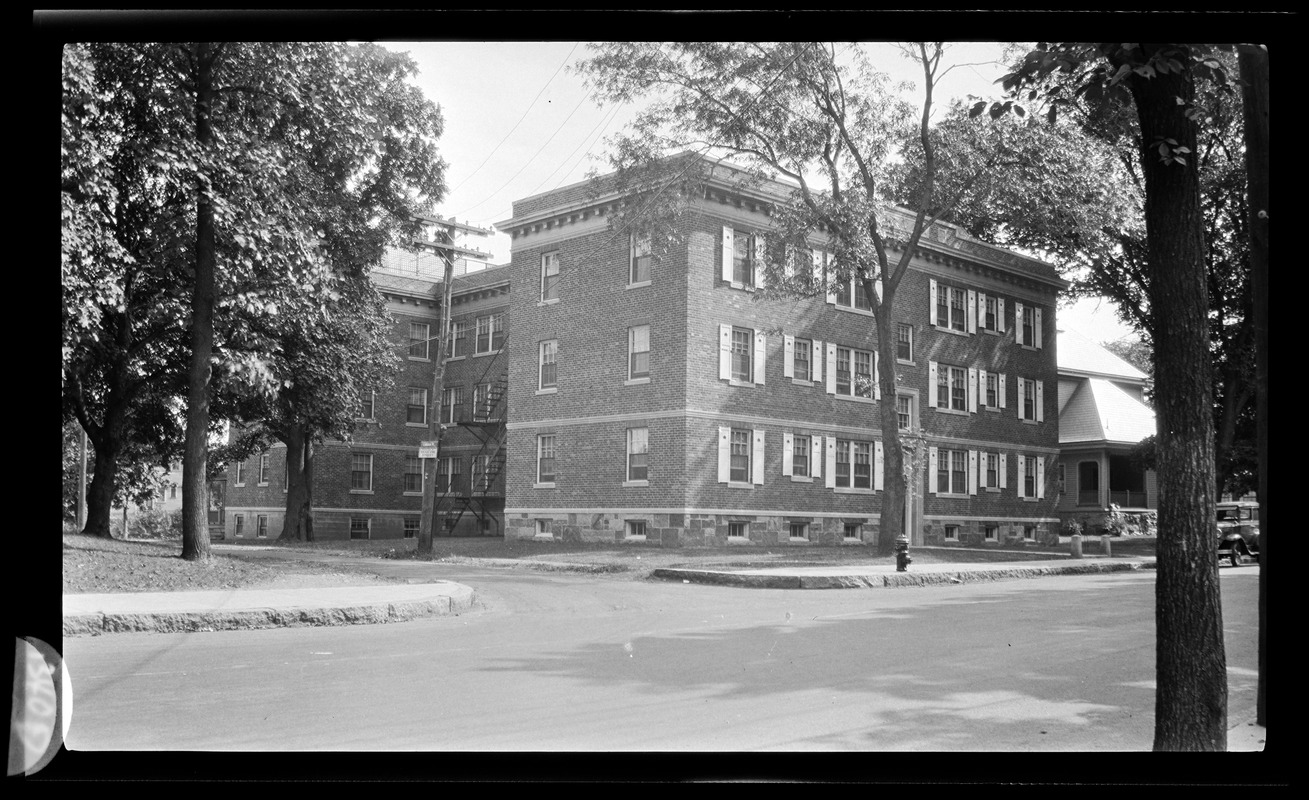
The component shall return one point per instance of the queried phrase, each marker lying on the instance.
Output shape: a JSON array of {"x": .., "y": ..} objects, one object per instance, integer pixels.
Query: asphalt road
[{"x": 563, "y": 662}]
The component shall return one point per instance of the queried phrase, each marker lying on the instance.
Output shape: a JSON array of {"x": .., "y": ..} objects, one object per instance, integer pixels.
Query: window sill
[
  {"x": 802, "y": 382},
  {"x": 743, "y": 287},
  {"x": 956, "y": 412},
  {"x": 992, "y": 489},
  {"x": 639, "y": 284},
  {"x": 994, "y": 409},
  {"x": 636, "y": 381},
  {"x": 455, "y": 358},
  {"x": 951, "y": 331},
  {"x": 413, "y": 494},
  {"x": 488, "y": 353},
  {"x": 1029, "y": 421},
  {"x": 265, "y": 483},
  {"x": 851, "y": 490},
  {"x": 630, "y": 538},
  {"x": 907, "y": 363},
  {"x": 990, "y": 332},
  {"x": 1029, "y": 347},
  {"x": 550, "y": 390},
  {"x": 361, "y": 491},
  {"x": 739, "y": 485},
  {"x": 239, "y": 485},
  {"x": 631, "y": 484},
  {"x": 855, "y": 399},
  {"x": 863, "y": 312},
  {"x": 801, "y": 479},
  {"x": 952, "y": 495},
  {"x": 852, "y": 541},
  {"x": 549, "y": 302},
  {"x": 415, "y": 424},
  {"x": 548, "y": 485},
  {"x": 741, "y": 384},
  {"x": 419, "y": 358},
  {"x": 1030, "y": 499}
]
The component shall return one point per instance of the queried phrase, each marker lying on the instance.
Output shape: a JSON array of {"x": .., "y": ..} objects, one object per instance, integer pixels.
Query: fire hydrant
[{"x": 902, "y": 558}]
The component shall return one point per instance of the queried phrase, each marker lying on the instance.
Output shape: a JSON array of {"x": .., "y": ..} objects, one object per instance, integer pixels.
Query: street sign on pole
[{"x": 428, "y": 449}]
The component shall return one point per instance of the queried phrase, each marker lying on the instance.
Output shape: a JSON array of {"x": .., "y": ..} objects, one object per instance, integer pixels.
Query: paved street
[{"x": 561, "y": 662}]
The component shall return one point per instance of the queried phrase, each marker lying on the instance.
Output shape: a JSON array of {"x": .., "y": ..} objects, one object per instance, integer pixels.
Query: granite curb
[
  {"x": 886, "y": 577},
  {"x": 214, "y": 611}
]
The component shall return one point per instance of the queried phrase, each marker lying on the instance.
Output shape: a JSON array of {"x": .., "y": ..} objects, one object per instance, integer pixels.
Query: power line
[{"x": 520, "y": 120}]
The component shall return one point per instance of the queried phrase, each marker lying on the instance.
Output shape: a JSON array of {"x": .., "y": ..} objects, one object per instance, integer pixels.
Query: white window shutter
[
  {"x": 757, "y": 457},
  {"x": 981, "y": 310},
  {"x": 830, "y": 480},
  {"x": 724, "y": 352},
  {"x": 788, "y": 453},
  {"x": 724, "y": 454},
  {"x": 760, "y": 356},
  {"x": 1038, "y": 327},
  {"x": 972, "y": 390},
  {"x": 788, "y": 356},
  {"x": 729, "y": 249},
  {"x": 1004, "y": 471},
  {"x": 1040, "y": 478},
  {"x": 932, "y": 391},
  {"x": 931, "y": 300},
  {"x": 972, "y": 311},
  {"x": 981, "y": 388},
  {"x": 1018, "y": 323},
  {"x": 999, "y": 314},
  {"x": 831, "y": 368},
  {"x": 1040, "y": 401},
  {"x": 1003, "y": 401},
  {"x": 821, "y": 269},
  {"x": 760, "y": 258},
  {"x": 1022, "y": 476},
  {"x": 816, "y": 362},
  {"x": 816, "y": 456},
  {"x": 877, "y": 378},
  {"x": 788, "y": 264},
  {"x": 1020, "y": 403},
  {"x": 972, "y": 471},
  {"x": 931, "y": 469},
  {"x": 877, "y": 466}
]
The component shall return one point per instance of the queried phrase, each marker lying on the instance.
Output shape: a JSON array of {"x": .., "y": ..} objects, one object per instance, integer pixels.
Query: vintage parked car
[{"x": 1238, "y": 531}]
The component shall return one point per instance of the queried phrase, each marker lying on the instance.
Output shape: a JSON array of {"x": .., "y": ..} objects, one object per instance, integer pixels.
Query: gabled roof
[
  {"x": 1079, "y": 355},
  {"x": 1099, "y": 411}
]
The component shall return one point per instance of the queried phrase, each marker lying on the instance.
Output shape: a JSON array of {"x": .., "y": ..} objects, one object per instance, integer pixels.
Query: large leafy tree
[
  {"x": 820, "y": 116},
  {"x": 271, "y": 170},
  {"x": 1159, "y": 83},
  {"x": 1090, "y": 221}
]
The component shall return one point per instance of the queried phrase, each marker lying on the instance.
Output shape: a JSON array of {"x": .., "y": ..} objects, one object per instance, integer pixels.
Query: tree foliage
[{"x": 223, "y": 194}]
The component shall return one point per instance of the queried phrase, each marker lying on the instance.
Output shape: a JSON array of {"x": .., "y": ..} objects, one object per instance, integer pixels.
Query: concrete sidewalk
[{"x": 260, "y": 608}]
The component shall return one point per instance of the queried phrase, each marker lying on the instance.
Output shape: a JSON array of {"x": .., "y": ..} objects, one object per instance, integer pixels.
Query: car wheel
[{"x": 1235, "y": 556}]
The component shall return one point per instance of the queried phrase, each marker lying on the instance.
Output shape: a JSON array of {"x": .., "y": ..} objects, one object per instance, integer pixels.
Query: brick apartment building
[
  {"x": 657, "y": 399},
  {"x": 373, "y": 488}
]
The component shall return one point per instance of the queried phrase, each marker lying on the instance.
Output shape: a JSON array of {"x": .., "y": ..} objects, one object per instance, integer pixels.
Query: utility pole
[
  {"x": 81, "y": 482},
  {"x": 429, "y": 451}
]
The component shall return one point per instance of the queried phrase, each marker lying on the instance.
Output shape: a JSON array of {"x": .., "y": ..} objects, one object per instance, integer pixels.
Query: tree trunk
[
  {"x": 894, "y": 482},
  {"x": 195, "y": 504},
  {"x": 1254, "y": 77},
  {"x": 1190, "y": 663},
  {"x": 100, "y": 495},
  {"x": 296, "y": 488}
]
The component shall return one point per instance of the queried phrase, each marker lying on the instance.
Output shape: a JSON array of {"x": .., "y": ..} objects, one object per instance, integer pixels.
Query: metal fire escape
[{"x": 487, "y": 424}]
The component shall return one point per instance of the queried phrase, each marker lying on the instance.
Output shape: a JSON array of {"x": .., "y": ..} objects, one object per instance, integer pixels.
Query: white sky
[{"x": 517, "y": 124}]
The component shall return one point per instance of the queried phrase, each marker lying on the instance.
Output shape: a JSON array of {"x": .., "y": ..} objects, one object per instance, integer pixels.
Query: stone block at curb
[{"x": 874, "y": 580}]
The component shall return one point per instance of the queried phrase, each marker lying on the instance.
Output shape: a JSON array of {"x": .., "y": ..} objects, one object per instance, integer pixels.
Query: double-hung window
[
  {"x": 638, "y": 352},
  {"x": 490, "y": 333},
  {"x": 638, "y": 451},
  {"x": 854, "y": 372},
  {"x": 359, "y": 527},
  {"x": 951, "y": 387},
  {"x": 952, "y": 472},
  {"x": 1031, "y": 400},
  {"x": 904, "y": 411},
  {"x": 990, "y": 314},
  {"x": 1027, "y": 325},
  {"x": 800, "y": 367},
  {"x": 740, "y": 456},
  {"x": 545, "y": 459},
  {"x": 361, "y": 472},
  {"x": 366, "y": 405},
  {"x": 481, "y": 473},
  {"x": 992, "y": 393},
  {"x": 640, "y": 267},
  {"x": 419, "y": 334},
  {"x": 239, "y": 522},
  {"x": 263, "y": 469},
  {"x": 854, "y": 464},
  {"x": 411, "y": 527},
  {"x": 413, "y": 474},
  {"x": 452, "y": 399},
  {"x": 240, "y": 473},
  {"x": 742, "y": 259},
  {"x": 484, "y": 405},
  {"x": 448, "y": 473},
  {"x": 952, "y": 308},
  {"x": 991, "y": 471},
  {"x": 261, "y": 526},
  {"x": 904, "y": 342},
  {"x": 550, "y": 276},
  {"x": 416, "y": 408},
  {"x": 800, "y": 454},
  {"x": 459, "y": 334},
  {"x": 742, "y": 354},
  {"x": 547, "y": 374}
]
